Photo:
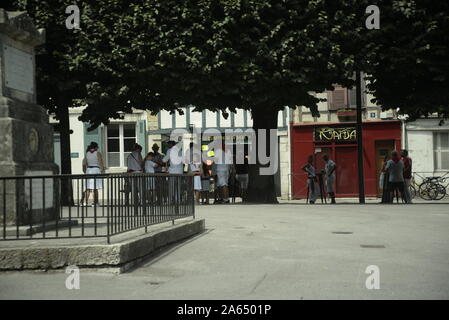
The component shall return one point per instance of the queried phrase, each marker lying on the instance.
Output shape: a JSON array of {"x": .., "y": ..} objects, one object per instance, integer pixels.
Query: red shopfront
[{"x": 338, "y": 140}]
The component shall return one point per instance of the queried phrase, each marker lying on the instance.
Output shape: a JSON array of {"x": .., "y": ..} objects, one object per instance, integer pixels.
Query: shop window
[
  {"x": 120, "y": 142},
  {"x": 441, "y": 150}
]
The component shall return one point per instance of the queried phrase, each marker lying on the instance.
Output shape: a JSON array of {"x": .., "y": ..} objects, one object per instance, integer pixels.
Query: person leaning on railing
[
  {"x": 92, "y": 164},
  {"x": 135, "y": 165}
]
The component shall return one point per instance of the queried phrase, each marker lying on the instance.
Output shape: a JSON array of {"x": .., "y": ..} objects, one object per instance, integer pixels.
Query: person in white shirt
[
  {"x": 329, "y": 171},
  {"x": 176, "y": 166},
  {"x": 222, "y": 164},
  {"x": 311, "y": 180},
  {"x": 174, "y": 159},
  {"x": 150, "y": 167},
  {"x": 135, "y": 161},
  {"x": 135, "y": 165},
  {"x": 196, "y": 170},
  {"x": 92, "y": 164}
]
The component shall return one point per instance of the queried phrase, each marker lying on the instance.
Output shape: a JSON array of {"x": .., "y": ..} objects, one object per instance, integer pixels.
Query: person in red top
[{"x": 407, "y": 174}]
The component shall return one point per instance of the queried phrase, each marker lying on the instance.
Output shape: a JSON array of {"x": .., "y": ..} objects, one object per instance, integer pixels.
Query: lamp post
[{"x": 359, "y": 138}]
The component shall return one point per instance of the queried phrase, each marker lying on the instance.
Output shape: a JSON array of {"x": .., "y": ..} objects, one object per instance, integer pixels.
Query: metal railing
[{"x": 85, "y": 206}]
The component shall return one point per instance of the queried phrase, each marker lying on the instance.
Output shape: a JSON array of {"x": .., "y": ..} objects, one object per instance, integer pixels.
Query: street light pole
[{"x": 359, "y": 137}]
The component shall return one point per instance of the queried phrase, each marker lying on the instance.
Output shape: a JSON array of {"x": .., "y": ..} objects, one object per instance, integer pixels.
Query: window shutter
[
  {"x": 95, "y": 135},
  {"x": 142, "y": 135},
  {"x": 337, "y": 99}
]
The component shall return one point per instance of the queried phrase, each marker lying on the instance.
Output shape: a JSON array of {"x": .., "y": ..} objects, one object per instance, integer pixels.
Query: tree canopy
[
  {"x": 213, "y": 54},
  {"x": 409, "y": 67}
]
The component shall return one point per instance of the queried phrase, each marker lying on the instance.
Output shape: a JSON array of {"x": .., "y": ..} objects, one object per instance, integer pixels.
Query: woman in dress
[{"x": 93, "y": 164}]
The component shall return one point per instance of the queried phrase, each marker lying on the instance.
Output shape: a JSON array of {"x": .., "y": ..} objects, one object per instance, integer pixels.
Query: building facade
[
  {"x": 298, "y": 136},
  {"x": 428, "y": 143}
]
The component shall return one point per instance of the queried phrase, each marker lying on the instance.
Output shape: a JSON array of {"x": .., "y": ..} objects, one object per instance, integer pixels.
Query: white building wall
[
  {"x": 420, "y": 146},
  {"x": 419, "y": 135},
  {"x": 181, "y": 119},
  {"x": 196, "y": 118},
  {"x": 284, "y": 164},
  {"x": 280, "y": 119},
  {"x": 77, "y": 142},
  {"x": 249, "y": 121},
  {"x": 239, "y": 118},
  {"x": 166, "y": 120},
  {"x": 225, "y": 123},
  {"x": 211, "y": 119}
]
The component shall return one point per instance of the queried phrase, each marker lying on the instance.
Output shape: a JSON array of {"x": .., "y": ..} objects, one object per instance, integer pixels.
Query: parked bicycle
[{"x": 433, "y": 188}]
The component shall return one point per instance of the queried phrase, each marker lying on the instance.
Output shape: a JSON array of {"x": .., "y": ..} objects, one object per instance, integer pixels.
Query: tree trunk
[
  {"x": 66, "y": 161},
  {"x": 261, "y": 188}
]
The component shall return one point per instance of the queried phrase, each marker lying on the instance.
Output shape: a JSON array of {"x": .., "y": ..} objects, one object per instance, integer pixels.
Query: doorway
[{"x": 346, "y": 179}]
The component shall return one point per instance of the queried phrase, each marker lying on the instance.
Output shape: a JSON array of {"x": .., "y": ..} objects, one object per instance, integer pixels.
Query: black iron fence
[{"x": 82, "y": 206}]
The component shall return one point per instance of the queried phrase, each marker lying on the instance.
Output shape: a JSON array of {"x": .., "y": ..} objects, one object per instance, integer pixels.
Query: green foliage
[
  {"x": 410, "y": 67},
  {"x": 258, "y": 55}
]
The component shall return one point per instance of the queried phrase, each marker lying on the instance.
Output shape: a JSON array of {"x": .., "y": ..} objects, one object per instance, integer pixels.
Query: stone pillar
[{"x": 26, "y": 144}]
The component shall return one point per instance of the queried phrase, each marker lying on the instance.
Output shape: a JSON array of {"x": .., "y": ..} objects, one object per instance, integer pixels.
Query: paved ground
[{"x": 286, "y": 251}]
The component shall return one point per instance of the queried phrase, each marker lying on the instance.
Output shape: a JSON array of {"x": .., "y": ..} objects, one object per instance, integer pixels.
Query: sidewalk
[{"x": 285, "y": 251}]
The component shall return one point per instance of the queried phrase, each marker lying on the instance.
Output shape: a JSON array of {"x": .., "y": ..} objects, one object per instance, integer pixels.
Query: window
[
  {"x": 441, "y": 150},
  {"x": 373, "y": 114},
  {"x": 120, "y": 142}
]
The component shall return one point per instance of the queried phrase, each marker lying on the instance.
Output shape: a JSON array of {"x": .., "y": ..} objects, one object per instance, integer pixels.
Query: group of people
[
  {"x": 217, "y": 170},
  {"x": 313, "y": 182},
  {"x": 396, "y": 177}
]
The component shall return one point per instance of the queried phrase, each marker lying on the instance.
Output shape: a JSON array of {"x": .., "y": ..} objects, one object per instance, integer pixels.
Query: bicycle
[
  {"x": 412, "y": 188},
  {"x": 432, "y": 188}
]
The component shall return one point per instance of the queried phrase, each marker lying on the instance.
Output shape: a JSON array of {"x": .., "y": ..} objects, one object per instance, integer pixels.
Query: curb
[{"x": 117, "y": 255}]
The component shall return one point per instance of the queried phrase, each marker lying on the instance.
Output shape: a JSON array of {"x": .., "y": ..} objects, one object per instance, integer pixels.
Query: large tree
[
  {"x": 219, "y": 55},
  {"x": 259, "y": 55}
]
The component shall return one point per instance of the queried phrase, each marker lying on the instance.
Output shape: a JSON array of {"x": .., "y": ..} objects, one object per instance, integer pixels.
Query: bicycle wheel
[
  {"x": 426, "y": 192},
  {"x": 412, "y": 191},
  {"x": 440, "y": 191}
]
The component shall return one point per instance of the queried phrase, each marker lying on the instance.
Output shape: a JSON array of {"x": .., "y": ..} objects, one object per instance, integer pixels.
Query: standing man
[
  {"x": 407, "y": 175},
  {"x": 329, "y": 171},
  {"x": 157, "y": 158},
  {"x": 176, "y": 166},
  {"x": 311, "y": 179},
  {"x": 222, "y": 164},
  {"x": 135, "y": 165},
  {"x": 395, "y": 169}
]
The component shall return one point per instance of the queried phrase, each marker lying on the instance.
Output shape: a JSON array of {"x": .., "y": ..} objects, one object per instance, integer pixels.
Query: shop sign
[{"x": 335, "y": 134}]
